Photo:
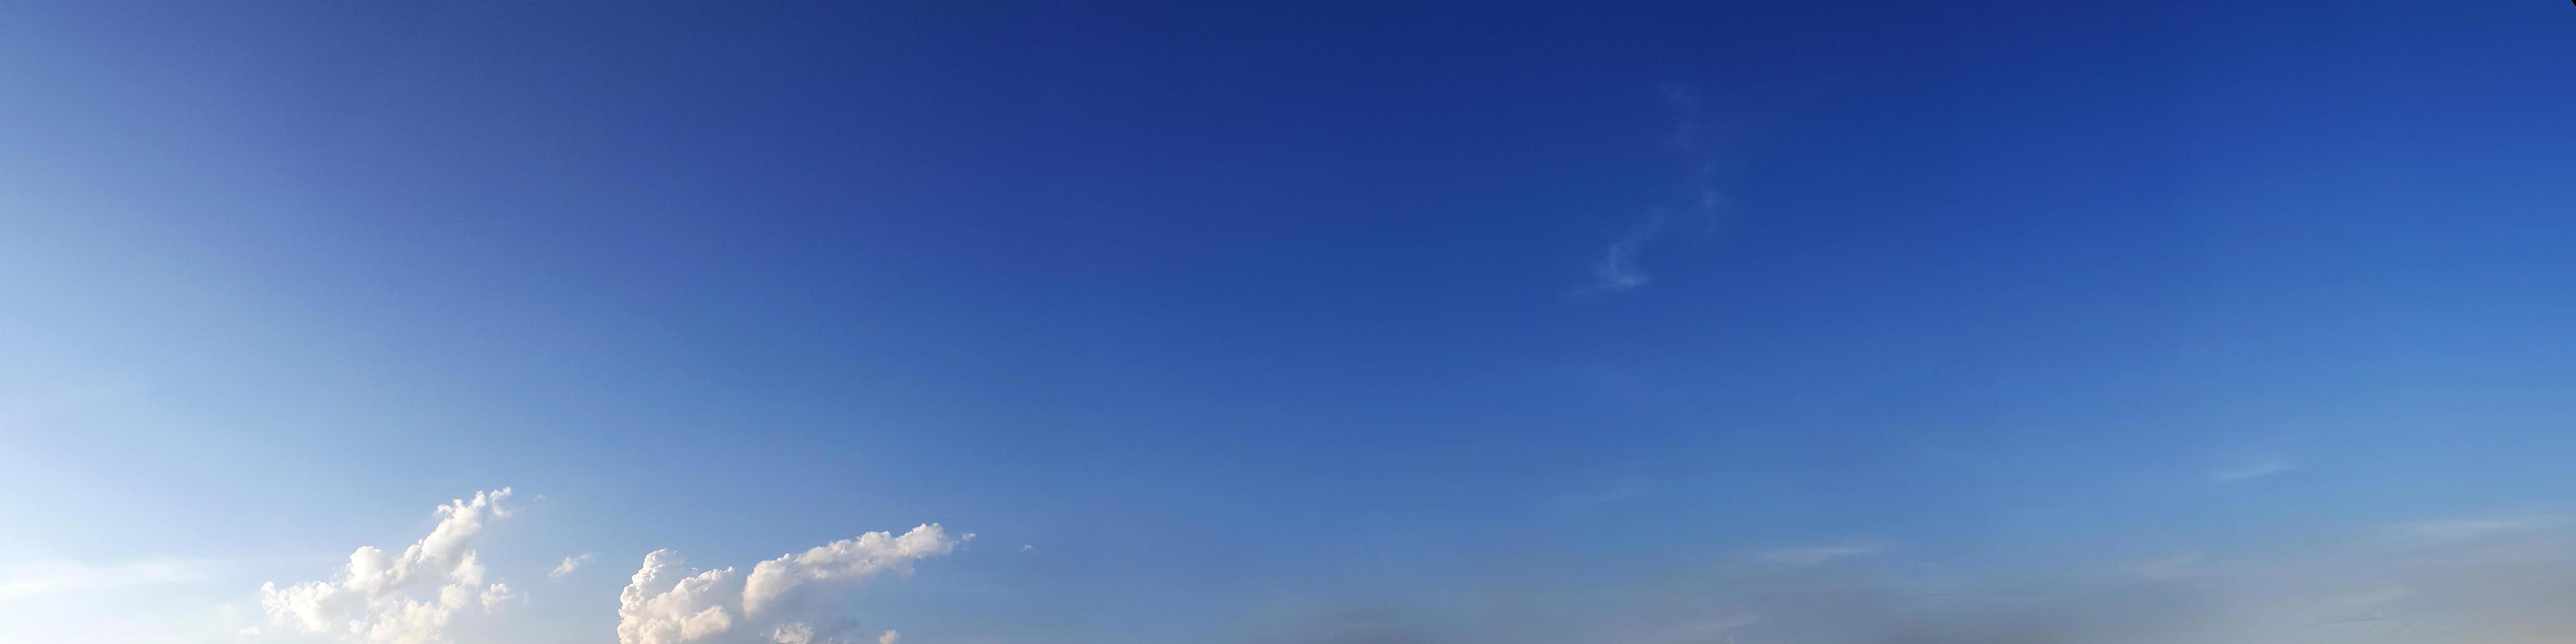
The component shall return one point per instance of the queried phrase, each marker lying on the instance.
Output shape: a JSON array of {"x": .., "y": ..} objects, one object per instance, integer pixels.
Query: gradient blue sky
[{"x": 1281, "y": 322}]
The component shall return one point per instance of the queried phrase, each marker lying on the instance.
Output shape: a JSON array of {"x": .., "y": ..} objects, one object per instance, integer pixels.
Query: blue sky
[{"x": 1655, "y": 323}]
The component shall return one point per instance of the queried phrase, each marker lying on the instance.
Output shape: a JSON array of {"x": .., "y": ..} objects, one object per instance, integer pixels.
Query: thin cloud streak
[
  {"x": 2424, "y": 534},
  {"x": 569, "y": 564},
  {"x": 2259, "y": 469},
  {"x": 1697, "y": 200}
]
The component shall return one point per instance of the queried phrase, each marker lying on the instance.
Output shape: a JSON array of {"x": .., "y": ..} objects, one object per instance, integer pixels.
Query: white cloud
[
  {"x": 569, "y": 564},
  {"x": 770, "y": 581},
  {"x": 792, "y": 634},
  {"x": 667, "y": 603},
  {"x": 409, "y": 598},
  {"x": 2266, "y": 467},
  {"x": 890, "y": 637}
]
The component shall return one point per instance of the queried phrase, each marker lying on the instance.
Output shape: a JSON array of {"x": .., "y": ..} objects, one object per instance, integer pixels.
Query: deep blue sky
[{"x": 1241, "y": 315}]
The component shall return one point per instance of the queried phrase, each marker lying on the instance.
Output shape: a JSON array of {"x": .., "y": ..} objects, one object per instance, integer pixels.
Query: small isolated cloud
[
  {"x": 2261, "y": 468},
  {"x": 1617, "y": 270},
  {"x": 1026, "y": 547},
  {"x": 1812, "y": 555},
  {"x": 890, "y": 637},
  {"x": 409, "y": 598},
  {"x": 783, "y": 598},
  {"x": 569, "y": 564}
]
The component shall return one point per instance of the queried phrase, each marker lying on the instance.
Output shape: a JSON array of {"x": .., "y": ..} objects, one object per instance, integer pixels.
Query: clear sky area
[{"x": 2010, "y": 322}]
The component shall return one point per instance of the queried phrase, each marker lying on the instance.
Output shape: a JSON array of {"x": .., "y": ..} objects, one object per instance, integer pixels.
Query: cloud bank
[
  {"x": 409, "y": 598},
  {"x": 787, "y": 600},
  {"x": 415, "y": 596}
]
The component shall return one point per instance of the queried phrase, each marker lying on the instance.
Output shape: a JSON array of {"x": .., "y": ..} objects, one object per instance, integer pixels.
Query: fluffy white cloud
[
  {"x": 668, "y": 603},
  {"x": 400, "y": 599},
  {"x": 665, "y": 604},
  {"x": 497, "y": 595},
  {"x": 569, "y": 564},
  {"x": 890, "y": 637},
  {"x": 792, "y": 634},
  {"x": 859, "y": 558}
]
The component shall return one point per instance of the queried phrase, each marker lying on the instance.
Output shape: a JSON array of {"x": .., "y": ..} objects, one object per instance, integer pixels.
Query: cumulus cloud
[
  {"x": 779, "y": 602},
  {"x": 890, "y": 637},
  {"x": 496, "y": 595},
  {"x": 569, "y": 564},
  {"x": 410, "y": 598},
  {"x": 792, "y": 634},
  {"x": 665, "y": 603}
]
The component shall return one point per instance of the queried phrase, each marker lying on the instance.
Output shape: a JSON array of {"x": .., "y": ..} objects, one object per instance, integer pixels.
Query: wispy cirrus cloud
[
  {"x": 2445, "y": 532},
  {"x": 1617, "y": 270},
  {"x": 1694, "y": 202},
  {"x": 2256, "y": 469}
]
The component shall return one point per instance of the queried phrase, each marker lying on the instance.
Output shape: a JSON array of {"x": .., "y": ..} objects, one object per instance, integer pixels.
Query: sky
[{"x": 1363, "y": 323}]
